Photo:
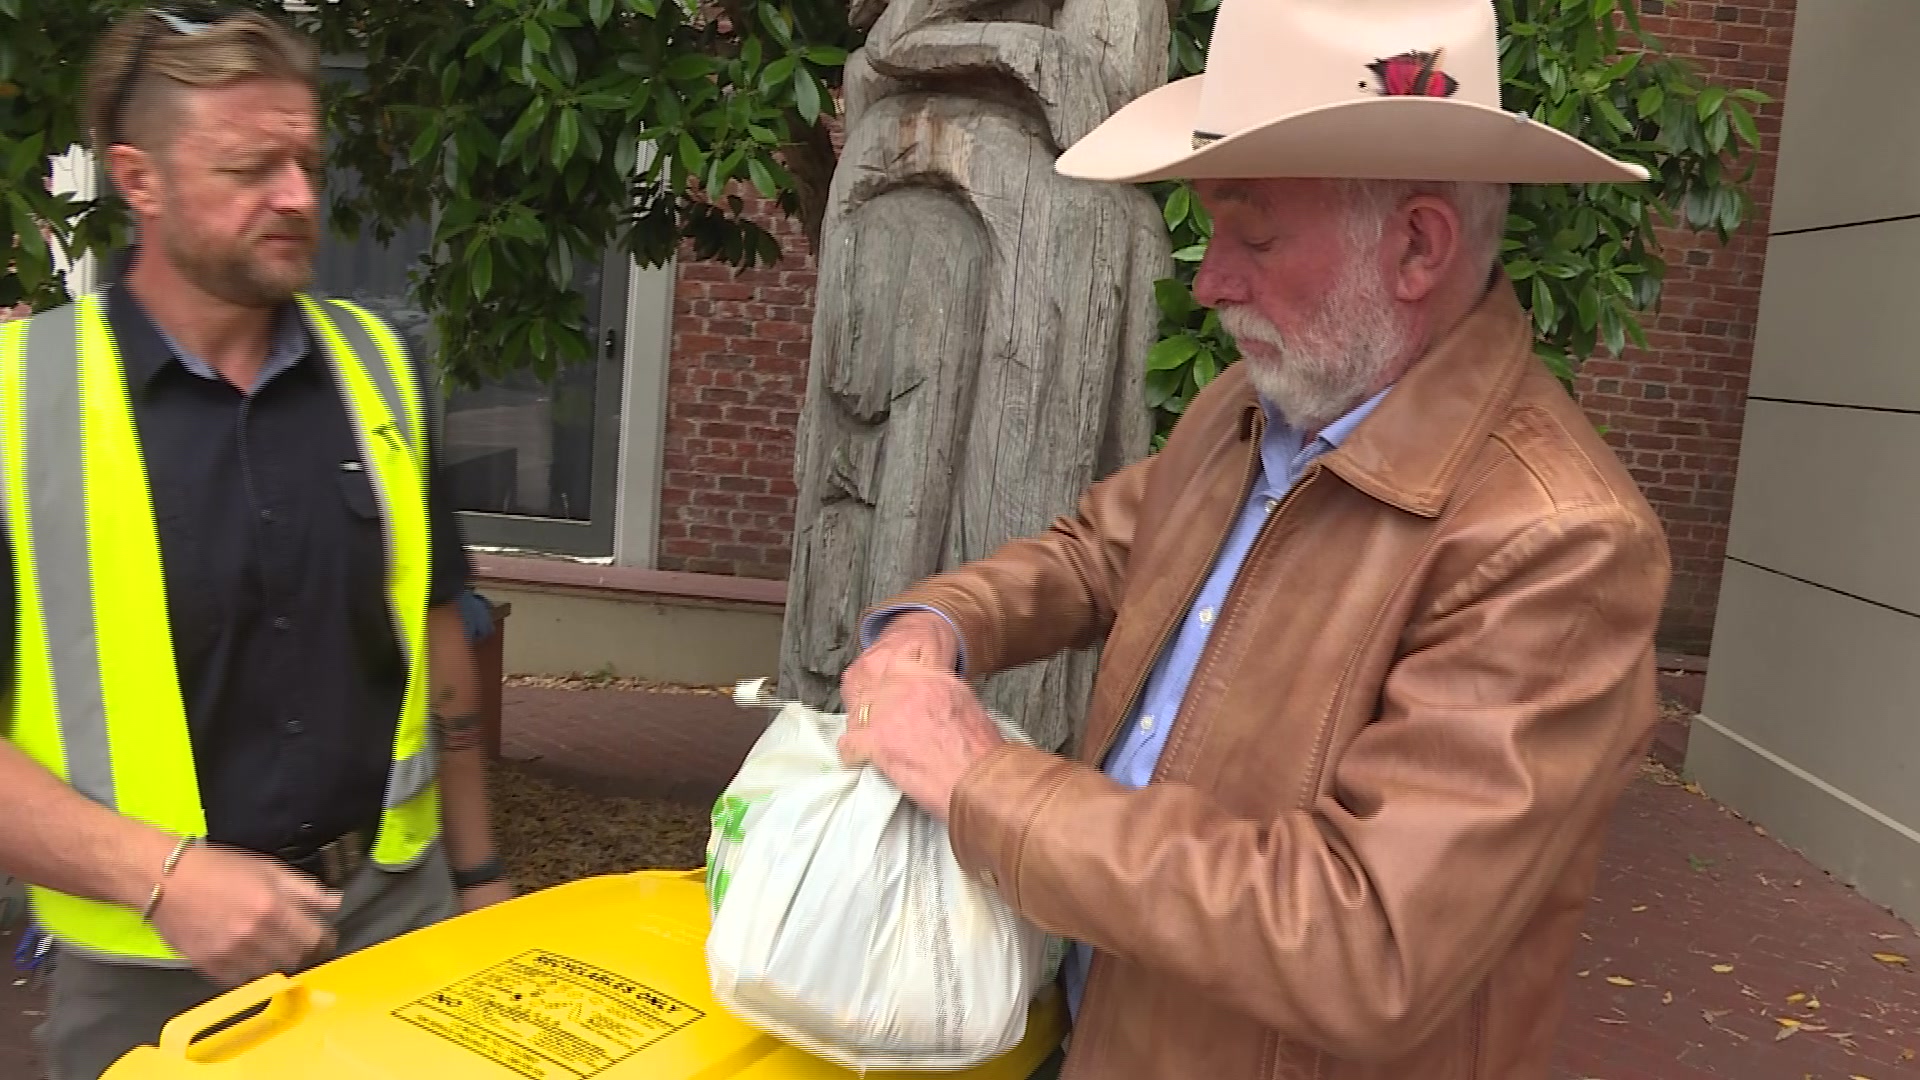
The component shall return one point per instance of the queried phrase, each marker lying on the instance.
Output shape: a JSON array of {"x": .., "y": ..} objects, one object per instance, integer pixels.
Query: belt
[{"x": 335, "y": 862}]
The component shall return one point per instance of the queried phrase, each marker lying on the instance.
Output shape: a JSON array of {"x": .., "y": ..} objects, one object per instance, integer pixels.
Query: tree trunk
[{"x": 982, "y": 322}]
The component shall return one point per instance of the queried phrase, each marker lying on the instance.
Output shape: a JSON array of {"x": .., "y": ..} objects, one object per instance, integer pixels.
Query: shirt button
[
  {"x": 295, "y": 727},
  {"x": 1272, "y": 505},
  {"x": 1146, "y": 724},
  {"x": 267, "y": 516},
  {"x": 1206, "y": 616},
  {"x": 281, "y": 622}
]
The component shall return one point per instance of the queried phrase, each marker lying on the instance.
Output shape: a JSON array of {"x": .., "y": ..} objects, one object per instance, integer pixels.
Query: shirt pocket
[{"x": 364, "y": 552}]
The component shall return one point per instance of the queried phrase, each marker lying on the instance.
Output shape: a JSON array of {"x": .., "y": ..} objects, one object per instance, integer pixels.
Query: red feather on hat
[{"x": 1414, "y": 74}]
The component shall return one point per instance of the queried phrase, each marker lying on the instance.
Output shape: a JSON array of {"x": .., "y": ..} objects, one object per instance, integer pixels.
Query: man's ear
[
  {"x": 136, "y": 175},
  {"x": 1433, "y": 247}
]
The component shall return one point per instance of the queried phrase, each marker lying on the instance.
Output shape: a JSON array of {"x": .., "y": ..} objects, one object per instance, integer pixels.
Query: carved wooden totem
[{"x": 982, "y": 322}]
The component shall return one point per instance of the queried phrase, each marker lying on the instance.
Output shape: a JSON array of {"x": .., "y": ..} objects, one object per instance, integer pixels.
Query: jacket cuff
[{"x": 994, "y": 808}]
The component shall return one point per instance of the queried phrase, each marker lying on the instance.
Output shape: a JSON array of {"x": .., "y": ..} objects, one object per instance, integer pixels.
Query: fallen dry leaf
[
  {"x": 1793, "y": 998},
  {"x": 1786, "y": 1021},
  {"x": 1713, "y": 1015},
  {"x": 1639, "y": 907},
  {"x": 1586, "y": 973},
  {"x": 1609, "y": 1020},
  {"x": 1783, "y": 1033},
  {"x": 1621, "y": 980},
  {"x": 1666, "y": 998},
  {"x": 1693, "y": 788},
  {"x": 1891, "y": 958},
  {"x": 1813, "y": 1003},
  {"x": 1906, "y": 1055},
  {"x": 1888, "y": 937},
  {"x": 1723, "y": 969},
  {"x": 1757, "y": 829}
]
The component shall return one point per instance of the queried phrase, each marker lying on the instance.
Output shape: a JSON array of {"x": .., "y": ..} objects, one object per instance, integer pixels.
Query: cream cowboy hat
[{"x": 1351, "y": 89}]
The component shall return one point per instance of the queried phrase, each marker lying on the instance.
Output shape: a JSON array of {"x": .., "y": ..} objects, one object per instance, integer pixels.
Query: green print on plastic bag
[
  {"x": 729, "y": 824},
  {"x": 729, "y": 818}
]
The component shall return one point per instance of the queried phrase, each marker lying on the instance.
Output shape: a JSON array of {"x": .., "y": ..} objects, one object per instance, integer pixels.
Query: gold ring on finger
[{"x": 866, "y": 708}]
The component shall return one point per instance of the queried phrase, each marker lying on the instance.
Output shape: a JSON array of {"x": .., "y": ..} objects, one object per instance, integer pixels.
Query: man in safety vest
[{"x": 238, "y": 698}]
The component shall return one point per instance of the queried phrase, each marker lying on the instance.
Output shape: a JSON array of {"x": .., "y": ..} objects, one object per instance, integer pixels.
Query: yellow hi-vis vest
[{"x": 97, "y": 694}]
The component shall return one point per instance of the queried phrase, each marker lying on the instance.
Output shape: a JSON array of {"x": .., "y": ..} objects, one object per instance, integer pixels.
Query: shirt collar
[
  {"x": 145, "y": 348},
  {"x": 1282, "y": 453}
]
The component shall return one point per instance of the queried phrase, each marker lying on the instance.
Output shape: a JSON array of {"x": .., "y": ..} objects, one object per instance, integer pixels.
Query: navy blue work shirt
[{"x": 275, "y": 562}]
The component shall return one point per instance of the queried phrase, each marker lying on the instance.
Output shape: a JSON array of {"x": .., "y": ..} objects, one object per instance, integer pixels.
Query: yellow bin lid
[{"x": 599, "y": 979}]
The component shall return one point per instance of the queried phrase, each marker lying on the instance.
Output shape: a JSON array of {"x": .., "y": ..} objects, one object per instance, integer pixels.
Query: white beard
[{"x": 1331, "y": 365}]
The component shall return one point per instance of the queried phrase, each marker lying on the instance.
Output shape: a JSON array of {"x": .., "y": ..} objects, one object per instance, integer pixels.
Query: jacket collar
[{"x": 1410, "y": 452}]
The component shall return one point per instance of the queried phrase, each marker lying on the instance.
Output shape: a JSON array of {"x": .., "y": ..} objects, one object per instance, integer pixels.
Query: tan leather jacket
[{"x": 1369, "y": 841}]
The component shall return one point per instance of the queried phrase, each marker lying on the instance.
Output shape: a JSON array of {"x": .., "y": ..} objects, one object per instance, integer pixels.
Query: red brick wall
[
  {"x": 735, "y": 380},
  {"x": 1674, "y": 412}
]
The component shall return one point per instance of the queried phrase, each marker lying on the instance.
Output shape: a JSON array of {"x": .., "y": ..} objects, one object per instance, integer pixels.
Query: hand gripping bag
[{"x": 843, "y": 924}]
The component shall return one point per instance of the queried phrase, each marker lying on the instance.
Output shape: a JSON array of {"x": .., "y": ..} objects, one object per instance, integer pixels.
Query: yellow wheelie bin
[{"x": 599, "y": 979}]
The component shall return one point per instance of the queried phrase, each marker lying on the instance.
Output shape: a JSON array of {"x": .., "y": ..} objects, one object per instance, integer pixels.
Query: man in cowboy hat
[{"x": 1377, "y": 622}]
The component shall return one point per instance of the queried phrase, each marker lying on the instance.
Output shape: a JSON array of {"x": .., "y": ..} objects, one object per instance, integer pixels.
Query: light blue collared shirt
[
  {"x": 1283, "y": 458},
  {"x": 1137, "y": 750}
]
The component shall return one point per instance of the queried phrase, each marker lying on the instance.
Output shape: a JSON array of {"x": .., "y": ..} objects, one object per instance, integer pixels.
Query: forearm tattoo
[{"x": 458, "y": 730}]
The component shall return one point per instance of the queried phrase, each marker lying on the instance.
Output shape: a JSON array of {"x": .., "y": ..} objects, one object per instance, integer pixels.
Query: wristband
[
  {"x": 166, "y": 871},
  {"x": 485, "y": 874}
]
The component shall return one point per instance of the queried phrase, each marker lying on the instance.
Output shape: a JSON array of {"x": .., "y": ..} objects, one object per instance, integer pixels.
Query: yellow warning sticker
[{"x": 547, "y": 1017}]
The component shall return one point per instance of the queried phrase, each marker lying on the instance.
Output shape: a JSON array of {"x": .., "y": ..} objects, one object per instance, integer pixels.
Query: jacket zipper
[
  {"x": 1166, "y": 630},
  {"x": 1094, "y": 964},
  {"x": 1233, "y": 591}
]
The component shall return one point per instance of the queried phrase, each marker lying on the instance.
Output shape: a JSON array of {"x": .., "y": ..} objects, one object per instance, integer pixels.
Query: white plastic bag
[{"x": 842, "y": 922}]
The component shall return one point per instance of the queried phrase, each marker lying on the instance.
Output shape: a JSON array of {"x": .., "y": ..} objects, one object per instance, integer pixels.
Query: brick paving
[{"x": 1685, "y": 887}]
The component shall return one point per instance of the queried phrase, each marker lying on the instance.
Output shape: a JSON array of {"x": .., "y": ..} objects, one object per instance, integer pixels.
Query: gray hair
[{"x": 1482, "y": 208}]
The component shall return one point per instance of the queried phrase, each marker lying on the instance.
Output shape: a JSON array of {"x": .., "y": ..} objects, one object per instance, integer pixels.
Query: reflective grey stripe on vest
[
  {"x": 375, "y": 364},
  {"x": 57, "y": 513},
  {"x": 409, "y": 776}
]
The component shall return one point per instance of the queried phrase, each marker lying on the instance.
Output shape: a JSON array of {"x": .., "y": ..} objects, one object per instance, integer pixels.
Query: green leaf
[
  {"x": 489, "y": 39},
  {"x": 560, "y": 263},
  {"x": 1651, "y": 101},
  {"x": 449, "y": 81},
  {"x": 825, "y": 55},
  {"x": 690, "y": 67},
  {"x": 1709, "y": 102},
  {"x": 1588, "y": 305},
  {"x": 776, "y": 74},
  {"x": 777, "y": 24},
  {"x": 11, "y": 8},
  {"x": 626, "y": 155},
  {"x": 1205, "y": 367},
  {"x": 566, "y": 135},
  {"x": 424, "y": 145},
  {"x": 1174, "y": 299},
  {"x": 1545, "y": 314},
  {"x": 762, "y": 179},
  {"x": 524, "y": 128},
  {"x": 806, "y": 95},
  {"x": 1172, "y": 352},
  {"x": 1178, "y": 205},
  {"x": 691, "y": 158},
  {"x": 599, "y": 11},
  {"x": 1612, "y": 115},
  {"x": 1743, "y": 122},
  {"x": 539, "y": 36},
  {"x": 480, "y": 270},
  {"x": 1192, "y": 253},
  {"x": 27, "y": 229}
]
